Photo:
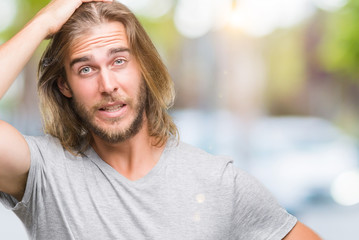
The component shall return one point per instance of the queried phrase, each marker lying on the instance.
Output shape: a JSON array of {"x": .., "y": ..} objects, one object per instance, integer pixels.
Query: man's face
[{"x": 105, "y": 83}]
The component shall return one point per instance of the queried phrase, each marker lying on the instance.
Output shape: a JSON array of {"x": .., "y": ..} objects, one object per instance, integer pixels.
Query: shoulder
[
  {"x": 42, "y": 141},
  {"x": 193, "y": 160},
  {"x": 46, "y": 147},
  {"x": 190, "y": 155},
  {"x": 200, "y": 163}
]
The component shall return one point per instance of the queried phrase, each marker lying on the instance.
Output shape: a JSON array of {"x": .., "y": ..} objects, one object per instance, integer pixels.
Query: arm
[
  {"x": 300, "y": 231},
  {"x": 14, "y": 161},
  {"x": 14, "y": 54}
]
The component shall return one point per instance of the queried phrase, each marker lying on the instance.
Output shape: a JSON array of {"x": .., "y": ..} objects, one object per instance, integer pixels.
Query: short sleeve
[
  {"x": 21, "y": 208},
  {"x": 256, "y": 213}
]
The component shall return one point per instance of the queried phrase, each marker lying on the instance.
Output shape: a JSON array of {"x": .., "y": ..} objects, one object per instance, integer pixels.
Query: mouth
[{"x": 112, "y": 108}]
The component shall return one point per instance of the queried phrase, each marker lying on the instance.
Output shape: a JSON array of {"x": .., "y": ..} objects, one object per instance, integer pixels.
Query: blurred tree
[
  {"x": 339, "y": 50},
  {"x": 338, "y": 55},
  {"x": 284, "y": 52},
  {"x": 164, "y": 35},
  {"x": 26, "y": 9}
]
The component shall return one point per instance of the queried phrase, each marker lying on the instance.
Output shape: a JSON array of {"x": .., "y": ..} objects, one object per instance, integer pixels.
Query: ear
[{"x": 64, "y": 87}]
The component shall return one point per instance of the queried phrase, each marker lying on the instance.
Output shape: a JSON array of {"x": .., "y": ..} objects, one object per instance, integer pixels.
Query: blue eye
[
  {"x": 119, "y": 61},
  {"x": 85, "y": 70}
]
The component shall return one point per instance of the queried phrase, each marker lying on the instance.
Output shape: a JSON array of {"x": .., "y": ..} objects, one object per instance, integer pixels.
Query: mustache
[{"x": 111, "y": 98}]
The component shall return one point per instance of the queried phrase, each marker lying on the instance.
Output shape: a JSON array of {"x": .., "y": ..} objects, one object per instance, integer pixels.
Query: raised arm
[{"x": 14, "y": 54}]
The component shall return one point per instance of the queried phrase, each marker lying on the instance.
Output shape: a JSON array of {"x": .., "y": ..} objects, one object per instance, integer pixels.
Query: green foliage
[
  {"x": 339, "y": 51},
  {"x": 26, "y": 9},
  {"x": 284, "y": 53},
  {"x": 163, "y": 34}
]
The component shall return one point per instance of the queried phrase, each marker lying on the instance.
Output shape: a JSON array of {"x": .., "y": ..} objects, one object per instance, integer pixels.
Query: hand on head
[{"x": 57, "y": 12}]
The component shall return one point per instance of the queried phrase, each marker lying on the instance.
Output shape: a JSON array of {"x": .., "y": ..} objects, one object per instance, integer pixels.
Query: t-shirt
[{"x": 189, "y": 194}]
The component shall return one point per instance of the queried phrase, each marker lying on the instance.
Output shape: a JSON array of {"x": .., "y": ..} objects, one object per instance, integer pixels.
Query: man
[{"x": 110, "y": 166}]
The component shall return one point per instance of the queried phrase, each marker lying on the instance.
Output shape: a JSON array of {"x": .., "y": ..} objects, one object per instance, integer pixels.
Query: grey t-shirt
[{"x": 189, "y": 194}]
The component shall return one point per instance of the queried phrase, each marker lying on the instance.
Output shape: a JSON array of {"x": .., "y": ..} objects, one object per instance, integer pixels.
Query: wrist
[{"x": 41, "y": 25}]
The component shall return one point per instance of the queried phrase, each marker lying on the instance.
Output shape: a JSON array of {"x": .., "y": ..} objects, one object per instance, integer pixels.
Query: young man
[{"x": 110, "y": 166}]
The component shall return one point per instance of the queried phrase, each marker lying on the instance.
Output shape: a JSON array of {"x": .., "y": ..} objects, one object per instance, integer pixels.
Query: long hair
[{"x": 59, "y": 119}]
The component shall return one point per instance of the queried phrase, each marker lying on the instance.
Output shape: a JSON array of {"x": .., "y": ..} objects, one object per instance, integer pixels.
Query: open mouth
[{"x": 113, "y": 108}]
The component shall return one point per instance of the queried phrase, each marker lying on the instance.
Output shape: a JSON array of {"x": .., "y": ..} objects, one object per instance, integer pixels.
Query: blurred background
[{"x": 272, "y": 83}]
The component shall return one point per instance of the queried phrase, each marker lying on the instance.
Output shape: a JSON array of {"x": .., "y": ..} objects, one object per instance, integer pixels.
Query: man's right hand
[
  {"x": 15, "y": 53},
  {"x": 57, "y": 12}
]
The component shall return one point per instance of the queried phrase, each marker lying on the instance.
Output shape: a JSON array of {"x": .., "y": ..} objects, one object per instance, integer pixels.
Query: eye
[
  {"x": 85, "y": 70},
  {"x": 120, "y": 61}
]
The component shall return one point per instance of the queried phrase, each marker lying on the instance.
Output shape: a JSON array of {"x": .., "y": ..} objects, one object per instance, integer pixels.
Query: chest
[{"x": 166, "y": 206}]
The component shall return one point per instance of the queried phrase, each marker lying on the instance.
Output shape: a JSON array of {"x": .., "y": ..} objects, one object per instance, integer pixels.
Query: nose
[{"x": 107, "y": 82}]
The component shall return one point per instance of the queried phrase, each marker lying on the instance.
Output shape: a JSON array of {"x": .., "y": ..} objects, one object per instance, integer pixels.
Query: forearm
[{"x": 15, "y": 53}]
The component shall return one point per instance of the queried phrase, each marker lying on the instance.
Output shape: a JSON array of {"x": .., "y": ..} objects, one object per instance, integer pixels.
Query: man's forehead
[{"x": 107, "y": 34}]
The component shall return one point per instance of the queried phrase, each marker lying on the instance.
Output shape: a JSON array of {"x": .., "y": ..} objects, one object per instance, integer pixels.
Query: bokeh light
[
  {"x": 345, "y": 189},
  {"x": 330, "y": 5},
  {"x": 149, "y": 8},
  {"x": 7, "y": 13},
  {"x": 194, "y": 18},
  {"x": 259, "y": 18}
]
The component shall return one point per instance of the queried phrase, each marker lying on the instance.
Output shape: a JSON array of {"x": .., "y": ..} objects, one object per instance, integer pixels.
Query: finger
[{"x": 97, "y": 0}]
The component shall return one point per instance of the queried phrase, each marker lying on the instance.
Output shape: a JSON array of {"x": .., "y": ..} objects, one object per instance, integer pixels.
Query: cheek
[
  {"x": 134, "y": 76},
  {"x": 84, "y": 91},
  {"x": 131, "y": 80},
  {"x": 81, "y": 88}
]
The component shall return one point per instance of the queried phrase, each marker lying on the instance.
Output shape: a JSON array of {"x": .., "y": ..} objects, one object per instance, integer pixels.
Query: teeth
[{"x": 112, "y": 108}]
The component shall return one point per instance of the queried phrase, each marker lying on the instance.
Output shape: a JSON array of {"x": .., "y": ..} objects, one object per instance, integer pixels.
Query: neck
[{"x": 132, "y": 158}]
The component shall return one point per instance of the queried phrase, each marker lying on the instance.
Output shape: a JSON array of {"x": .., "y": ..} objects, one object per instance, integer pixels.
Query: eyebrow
[
  {"x": 77, "y": 60},
  {"x": 117, "y": 50},
  {"x": 110, "y": 52}
]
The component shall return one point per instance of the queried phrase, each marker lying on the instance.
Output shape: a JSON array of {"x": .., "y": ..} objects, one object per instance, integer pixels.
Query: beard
[{"x": 113, "y": 133}]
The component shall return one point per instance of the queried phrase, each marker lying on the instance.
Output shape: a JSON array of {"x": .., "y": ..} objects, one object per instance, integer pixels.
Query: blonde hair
[{"x": 60, "y": 120}]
